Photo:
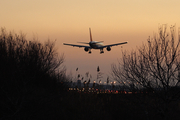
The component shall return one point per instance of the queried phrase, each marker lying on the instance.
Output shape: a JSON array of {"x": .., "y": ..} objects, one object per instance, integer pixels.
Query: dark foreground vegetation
[
  {"x": 31, "y": 76},
  {"x": 32, "y": 87},
  {"x": 136, "y": 106},
  {"x": 154, "y": 66}
]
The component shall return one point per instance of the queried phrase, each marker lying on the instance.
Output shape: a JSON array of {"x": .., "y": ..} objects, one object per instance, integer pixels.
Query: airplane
[{"x": 95, "y": 45}]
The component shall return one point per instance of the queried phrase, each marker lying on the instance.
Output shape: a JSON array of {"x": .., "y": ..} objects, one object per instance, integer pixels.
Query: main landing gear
[{"x": 101, "y": 51}]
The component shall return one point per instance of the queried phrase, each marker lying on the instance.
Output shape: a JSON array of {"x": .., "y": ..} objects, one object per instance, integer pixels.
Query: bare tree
[
  {"x": 154, "y": 66},
  {"x": 28, "y": 71}
]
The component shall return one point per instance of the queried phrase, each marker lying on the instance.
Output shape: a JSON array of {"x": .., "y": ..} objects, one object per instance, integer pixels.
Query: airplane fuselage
[{"x": 95, "y": 45}]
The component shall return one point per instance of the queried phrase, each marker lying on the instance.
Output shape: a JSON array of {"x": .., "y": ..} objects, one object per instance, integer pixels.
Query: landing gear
[
  {"x": 89, "y": 52},
  {"x": 101, "y": 51}
]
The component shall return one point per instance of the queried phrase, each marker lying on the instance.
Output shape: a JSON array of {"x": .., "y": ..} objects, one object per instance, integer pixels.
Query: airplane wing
[
  {"x": 76, "y": 45},
  {"x": 114, "y": 44}
]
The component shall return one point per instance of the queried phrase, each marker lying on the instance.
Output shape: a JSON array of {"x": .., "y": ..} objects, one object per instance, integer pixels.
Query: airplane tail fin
[{"x": 90, "y": 34}]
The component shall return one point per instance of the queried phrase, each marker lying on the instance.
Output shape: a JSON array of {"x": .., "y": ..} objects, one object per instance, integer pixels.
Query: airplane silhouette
[{"x": 95, "y": 45}]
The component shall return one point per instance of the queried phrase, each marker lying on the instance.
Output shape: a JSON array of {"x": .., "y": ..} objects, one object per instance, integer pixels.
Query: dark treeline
[
  {"x": 154, "y": 67},
  {"x": 31, "y": 75}
]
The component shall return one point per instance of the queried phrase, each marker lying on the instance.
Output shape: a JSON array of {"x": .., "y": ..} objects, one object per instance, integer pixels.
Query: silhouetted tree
[
  {"x": 154, "y": 67},
  {"x": 29, "y": 72}
]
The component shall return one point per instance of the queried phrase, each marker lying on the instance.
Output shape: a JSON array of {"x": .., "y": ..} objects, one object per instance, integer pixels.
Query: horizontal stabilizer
[
  {"x": 99, "y": 41},
  {"x": 83, "y": 42}
]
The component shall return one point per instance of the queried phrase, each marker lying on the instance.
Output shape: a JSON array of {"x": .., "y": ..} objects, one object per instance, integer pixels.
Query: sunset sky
[{"x": 68, "y": 21}]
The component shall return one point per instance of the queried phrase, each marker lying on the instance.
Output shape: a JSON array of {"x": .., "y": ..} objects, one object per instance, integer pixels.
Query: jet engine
[
  {"x": 108, "y": 49},
  {"x": 86, "y": 49}
]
